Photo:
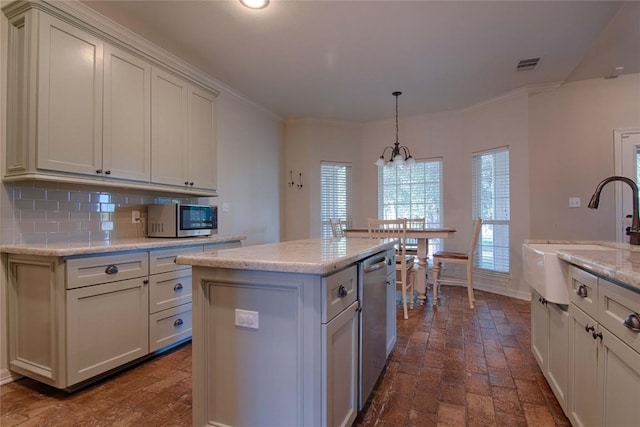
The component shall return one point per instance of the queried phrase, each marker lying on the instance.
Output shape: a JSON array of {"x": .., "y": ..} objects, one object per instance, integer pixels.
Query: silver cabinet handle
[
  {"x": 178, "y": 322},
  {"x": 632, "y": 322},
  {"x": 582, "y": 291},
  {"x": 342, "y": 291},
  {"x": 112, "y": 269},
  {"x": 177, "y": 287}
]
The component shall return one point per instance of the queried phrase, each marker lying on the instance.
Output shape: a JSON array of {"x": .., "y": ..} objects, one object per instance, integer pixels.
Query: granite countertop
[
  {"x": 311, "y": 256},
  {"x": 620, "y": 265},
  {"x": 116, "y": 245}
]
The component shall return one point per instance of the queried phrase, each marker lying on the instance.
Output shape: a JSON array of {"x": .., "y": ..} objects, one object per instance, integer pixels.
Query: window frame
[
  {"x": 493, "y": 256},
  {"x": 434, "y": 244}
]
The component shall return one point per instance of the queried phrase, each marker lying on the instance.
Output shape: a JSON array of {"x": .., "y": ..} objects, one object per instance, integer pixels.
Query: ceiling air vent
[{"x": 527, "y": 64}]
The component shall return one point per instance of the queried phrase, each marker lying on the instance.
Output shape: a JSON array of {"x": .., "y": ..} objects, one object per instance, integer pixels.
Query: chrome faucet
[{"x": 634, "y": 231}]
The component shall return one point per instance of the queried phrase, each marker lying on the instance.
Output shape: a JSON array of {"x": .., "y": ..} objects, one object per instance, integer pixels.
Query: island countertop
[{"x": 311, "y": 256}]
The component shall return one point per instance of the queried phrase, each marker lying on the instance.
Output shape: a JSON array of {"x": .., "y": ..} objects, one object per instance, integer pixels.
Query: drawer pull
[
  {"x": 598, "y": 335},
  {"x": 632, "y": 322},
  {"x": 112, "y": 269},
  {"x": 589, "y": 328},
  {"x": 582, "y": 291},
  {"x": 177, "y": 287},
  {"x": 342, "y": 291},
  {"x": 178, "y": 322}
]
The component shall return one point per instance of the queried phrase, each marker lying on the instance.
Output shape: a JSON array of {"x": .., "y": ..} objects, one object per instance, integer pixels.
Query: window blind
[
  {"x": 413, "y": 192},
  {"x": 491, "y": 202},
  {"x": 335, "y": 197}
]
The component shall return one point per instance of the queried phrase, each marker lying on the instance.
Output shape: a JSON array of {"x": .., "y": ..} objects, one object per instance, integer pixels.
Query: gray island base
[{"x": 277, "y": 337}]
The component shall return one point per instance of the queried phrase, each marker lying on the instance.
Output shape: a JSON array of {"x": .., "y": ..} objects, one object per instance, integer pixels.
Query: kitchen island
[{"x": 276, "y": 339}]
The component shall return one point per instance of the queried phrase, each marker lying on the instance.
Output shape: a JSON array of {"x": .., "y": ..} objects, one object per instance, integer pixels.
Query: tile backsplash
[{"x": 38, "y": 212}]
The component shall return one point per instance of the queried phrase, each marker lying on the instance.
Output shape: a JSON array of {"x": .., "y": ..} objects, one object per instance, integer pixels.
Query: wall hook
[
  {"x": 291, "y": 183},
  {"x": 300, "y": 180}
]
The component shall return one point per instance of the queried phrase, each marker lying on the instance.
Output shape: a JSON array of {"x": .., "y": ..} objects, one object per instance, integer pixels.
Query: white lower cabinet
[
  {"x": 107, "y": 326},
  {"x": 549, "y": 343},
  {"x": 604, "y": 356},
  {"x": 340, "y": 367},
  {"x": 73, "y": 319}
]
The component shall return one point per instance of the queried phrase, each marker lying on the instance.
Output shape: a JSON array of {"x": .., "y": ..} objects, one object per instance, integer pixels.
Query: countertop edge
[
  {"x": 602, "y": 269},
  {"x": 85, "y": 248}
]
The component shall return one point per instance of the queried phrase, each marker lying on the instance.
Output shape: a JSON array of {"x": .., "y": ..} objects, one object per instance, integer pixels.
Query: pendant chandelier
[{"x": 400, "y": 154}]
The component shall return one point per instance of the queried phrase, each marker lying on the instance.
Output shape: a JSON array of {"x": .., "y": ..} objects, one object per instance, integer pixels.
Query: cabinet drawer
[
  {"x": 108, "y": 268},
  {"x": 338, "y": 292},
  {"x": 163, "y": 260},
  {"x": 616, "y": 303},
  {"x": 169, "y": 326},
  {"x": 168, "y": 290},
  {"x": 585, "y": 284}
]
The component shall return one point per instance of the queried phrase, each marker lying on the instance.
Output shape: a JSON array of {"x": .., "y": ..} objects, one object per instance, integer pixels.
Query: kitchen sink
[{"x": 547, "y": 274}]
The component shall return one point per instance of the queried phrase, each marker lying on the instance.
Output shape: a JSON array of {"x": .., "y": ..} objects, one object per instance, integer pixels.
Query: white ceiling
[{"x": 343, "y": 59}]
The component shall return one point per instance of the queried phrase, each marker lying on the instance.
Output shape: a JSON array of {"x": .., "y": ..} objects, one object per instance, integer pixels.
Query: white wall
[
  {"x": 571, "y": 151},
  {"x": 307, "y": 143}
]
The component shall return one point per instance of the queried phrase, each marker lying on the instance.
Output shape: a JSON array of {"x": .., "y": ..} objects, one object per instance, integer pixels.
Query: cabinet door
[
  {"x": 340, "y": 369},
  {"x": 69, "y": 98},
  {"x": 107, "y": 326},
  {"x": 583, "y": 366},
  {"x": 392, "y": 331},
  {"x": 558, "y": 355},
  {"x": 126, "y": 151},
  {"x": 169, "y": 150},
  {"x": 202, "y": 139},
  {"x": 539, "y": 330},
  {"x": 619, "y": 382}
]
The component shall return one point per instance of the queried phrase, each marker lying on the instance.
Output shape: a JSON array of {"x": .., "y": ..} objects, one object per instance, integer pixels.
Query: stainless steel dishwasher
[{"x": 372, "y": 292}]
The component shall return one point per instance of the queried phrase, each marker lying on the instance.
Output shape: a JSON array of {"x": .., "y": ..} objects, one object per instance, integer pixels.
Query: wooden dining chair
[
  {"x": 411, "y": 244},
  {"x": 337, "y": 227},
  {"x": 439, "y": 258},
  {"x": 397, "y": 229}
]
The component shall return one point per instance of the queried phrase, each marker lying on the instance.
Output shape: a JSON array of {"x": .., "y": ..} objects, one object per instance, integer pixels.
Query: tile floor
[{"x": 451, "y": 367}]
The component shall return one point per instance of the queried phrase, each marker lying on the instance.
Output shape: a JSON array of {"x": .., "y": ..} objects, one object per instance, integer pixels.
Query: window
[
  {"x": 335, "y": 197},
  {"x": 414, "y": 192},
  {"x": 491, "y": 202}
]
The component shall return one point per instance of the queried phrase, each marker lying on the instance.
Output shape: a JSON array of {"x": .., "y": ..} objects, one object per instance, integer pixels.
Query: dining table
[{"x": 422, "y": 236}]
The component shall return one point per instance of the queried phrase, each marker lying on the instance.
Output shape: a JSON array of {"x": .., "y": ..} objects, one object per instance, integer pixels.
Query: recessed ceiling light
[{"x": 255, "y": 4}]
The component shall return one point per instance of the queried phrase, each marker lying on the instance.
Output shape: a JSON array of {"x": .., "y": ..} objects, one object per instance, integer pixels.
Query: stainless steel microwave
[{"x": 181, "y": 220}]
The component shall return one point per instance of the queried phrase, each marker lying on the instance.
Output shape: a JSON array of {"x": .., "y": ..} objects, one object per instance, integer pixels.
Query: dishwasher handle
[{"x": 376, "y": 266}]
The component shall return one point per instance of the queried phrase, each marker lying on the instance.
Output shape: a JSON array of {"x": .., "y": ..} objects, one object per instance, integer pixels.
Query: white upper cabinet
[
  {"x": 170, "y": 99},
  {"x": 90, "y": 104},
  {"x": 184, "y": 133},
  {"x": 126, "y": 149},
  {"x": 69, "y": 108},
  {"x": 202, "y": 138}
]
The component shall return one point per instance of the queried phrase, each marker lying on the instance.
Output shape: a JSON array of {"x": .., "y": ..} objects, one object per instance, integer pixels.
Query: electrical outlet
[
  {"x": 247, "y": 319},
  {"x": 574, "y": 202},
  {"x": 135, "y": 217},
  {"x": 226, "y": 207}
]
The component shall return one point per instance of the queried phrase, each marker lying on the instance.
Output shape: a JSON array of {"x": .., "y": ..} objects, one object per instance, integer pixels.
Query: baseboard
[
  {"x": 6, "y": 376},
  {"x": 526, "y": 296},
  {"x": 500, "y": 290}
]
